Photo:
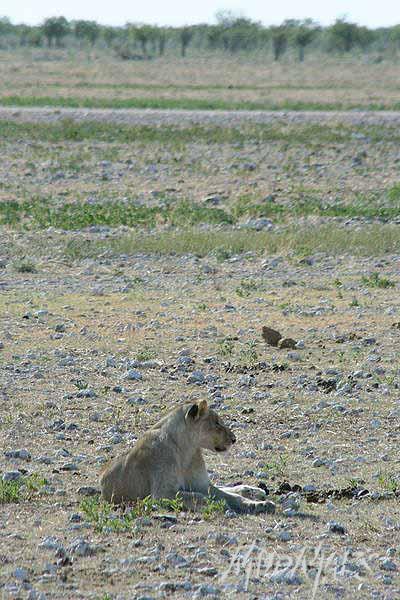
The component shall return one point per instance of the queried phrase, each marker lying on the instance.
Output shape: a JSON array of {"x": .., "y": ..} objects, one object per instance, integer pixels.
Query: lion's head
[{"x": 213, "y": 433}]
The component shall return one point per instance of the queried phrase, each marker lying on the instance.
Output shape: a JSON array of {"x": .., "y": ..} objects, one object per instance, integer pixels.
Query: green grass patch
[
  {"x": 243, "y": 133},
  {"x": 106, "y": 518},
  {"x": 187, "y": 103},
  {"x": 24, "y": 488},
  {"x": 41, "y": 213},
  {"x": 213, "y": 508},
  {"x": 374, "y": 240},
  {"x": 377, "y": 281}
]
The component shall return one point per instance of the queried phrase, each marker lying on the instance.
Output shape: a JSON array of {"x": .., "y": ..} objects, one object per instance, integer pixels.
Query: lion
[{"x": 168, "y": 460}]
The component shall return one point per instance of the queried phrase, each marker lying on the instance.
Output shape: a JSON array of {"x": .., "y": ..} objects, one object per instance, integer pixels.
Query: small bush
[
  {"x": 213, "y": 507},
  {"x": 376, "y": 281}
]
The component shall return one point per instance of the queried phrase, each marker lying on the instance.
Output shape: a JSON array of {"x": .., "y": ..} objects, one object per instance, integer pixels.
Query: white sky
[{"x": 372, "y": 13}]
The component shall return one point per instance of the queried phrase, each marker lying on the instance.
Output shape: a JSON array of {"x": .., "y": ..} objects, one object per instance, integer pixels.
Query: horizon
[{"x": 178, "y": 13}]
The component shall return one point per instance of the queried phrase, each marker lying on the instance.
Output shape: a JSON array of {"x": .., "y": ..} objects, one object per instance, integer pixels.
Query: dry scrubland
[
  {"x": 138, "y": 265},
  {"x": 204, "y": 81}
]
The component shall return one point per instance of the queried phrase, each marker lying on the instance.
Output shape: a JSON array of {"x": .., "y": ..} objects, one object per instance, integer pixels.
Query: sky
[{"x": 183, "y": 12}]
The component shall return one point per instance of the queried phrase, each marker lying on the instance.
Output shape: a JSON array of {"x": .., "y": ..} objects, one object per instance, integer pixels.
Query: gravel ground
[
  {"x": 93, "y": 351},
  {"x": 189, "y": 117},
  {"x": 322, "y": 416}
]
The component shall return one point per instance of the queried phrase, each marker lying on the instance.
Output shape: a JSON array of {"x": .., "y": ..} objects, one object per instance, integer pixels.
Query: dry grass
[{"x": 319, "y": 81}]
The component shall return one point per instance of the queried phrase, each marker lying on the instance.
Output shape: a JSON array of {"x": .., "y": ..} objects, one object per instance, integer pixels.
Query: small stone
[
  {"x": 271, "y": 336},
  {"x": 21, "y": 454},
  {"x": 318, "y": 462},
  {"x": 60, "y": 328},
  {"x": 133, "y": 375},
  {"x": 284, "y": 536},
  {"x": 335, "y": 527},
  {"x": 11, "y": 476},
  {"x": 287, "y": 343},
  {"x": 309, "y": 488},
  {"x": 259, "y": 224},
  {"x": 136, "y": 400},
  {"x": 387, "y": 565},
  {"x": 75, "y": 518},
  {"x": 87, "y": 490},
  {"x": 196, "y": 377},
  {"x": 87, "y": 393},
  {"x": 50, "y": 543},
  {"x": 247, "y": 380},
  {"x": 176, "y": 560},
  {"x": 21, "y": 574},
  {"x": 81, "y": 547}
]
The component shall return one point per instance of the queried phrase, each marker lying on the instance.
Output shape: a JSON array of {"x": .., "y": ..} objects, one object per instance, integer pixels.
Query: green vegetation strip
[
  {"x": 40, "y": 213},
  {"x": 373, "y": 240},
  {"x": 310, "y": 133},
  {"x": 187, "y": 104}
]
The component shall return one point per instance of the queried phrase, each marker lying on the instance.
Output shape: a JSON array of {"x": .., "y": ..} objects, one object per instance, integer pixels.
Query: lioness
[{"x": 168, "y": 459}]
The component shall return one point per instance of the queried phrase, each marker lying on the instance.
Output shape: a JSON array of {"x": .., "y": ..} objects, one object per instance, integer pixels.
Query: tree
[
  {"x": 185, "y": 37},
  {"x": 143, "y": 34},
  {"x": 110, "y": 34},
  {"x": 279, "y": 40},
  {"x": 162, "y": 40},
  {"x": 304, "y": 32},
  {"x": 86, "y": 31},
  {"x": 343, "y": 35},
  {"x": 55, "y": 29}
]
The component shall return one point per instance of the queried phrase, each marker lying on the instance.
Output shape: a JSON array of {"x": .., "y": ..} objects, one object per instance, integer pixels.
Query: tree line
[{"x": 230, "y": 34}]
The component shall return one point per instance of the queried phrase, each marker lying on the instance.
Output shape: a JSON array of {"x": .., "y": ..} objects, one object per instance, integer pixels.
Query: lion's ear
[
  {"x": 203, "y": 408},
  {"x": 192, "y": 412},
  {"x": 197, "y": 410}
]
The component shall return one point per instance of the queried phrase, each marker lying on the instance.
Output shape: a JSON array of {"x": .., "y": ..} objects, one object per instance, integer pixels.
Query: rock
[
  {"x": 213, "y": 199},
  {"x": 287, "y": 343},
  {"x": 207, "y": 590},
  {"x": 86, "y": 393},
  {"x": 133, "y": 375},
  {"x": 75, "y": 518},
  {"x": 387, "y": 565},
  {"x": 21, "y": 574},
  {"x": 295, "y": 356},
  {"x": 196, "y": 377},
  {"x": 259, "y": 224},
  {"x": 50, "y": 543},
  {"x": 184, "y": 361},
  {"x": 136, "y": 401},
  {"x": 335, "y": 527},
  {"x": 246, "y": 380},
  {"x": 87, "y": 490},
  {"x": 176, "y": 560},
  {"x": 22, "y": 454},
  {"x": 284, "y": 536},
  {"x": 271, "y": 336},
  {"x": 81, "y": 547},
  {"x": 145, "y": 364},
  {"x": 11, "y": 476},
  {"x": 309, "y": 488}
]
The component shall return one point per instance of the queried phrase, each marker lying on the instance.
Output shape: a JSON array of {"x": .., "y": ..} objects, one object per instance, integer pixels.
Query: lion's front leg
[
  {"x": 246, "y": 491},
  {"x": 239, "y": 503}
]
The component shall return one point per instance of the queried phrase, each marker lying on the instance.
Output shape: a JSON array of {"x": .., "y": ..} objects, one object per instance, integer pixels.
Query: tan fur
[{"x": 168, "y": 459}]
